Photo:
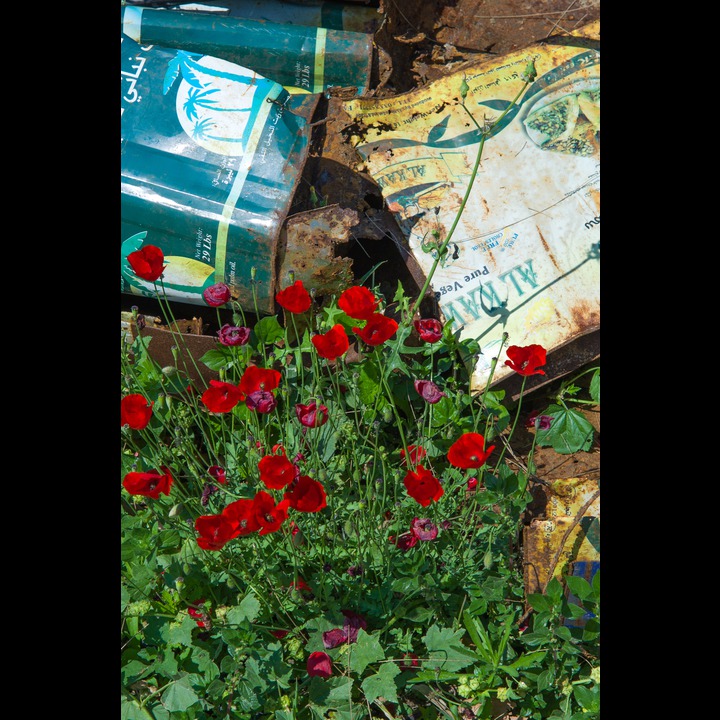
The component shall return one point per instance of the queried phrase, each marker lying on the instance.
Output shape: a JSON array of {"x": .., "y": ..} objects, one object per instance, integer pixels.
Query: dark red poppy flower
[
  {"x": 215, "y": 531},
  {"x": 312, "y": 414},
  {"x": 197, "y": 614},
  {"x": 429, "y": 391},
  {"x": 526, "y": 360},
  {"x": 232, "y": 335},
  {"x": 353, "y": 624},
  {"x": 295, "y": 299},
  {"x": 279, "y": 634},
  {"x": 306, "y": 495},
  {"x": 416, "y": 453},
  {"x": 377, "y": 330},
  {"x": 355, "y": 570},
  {"x": 221, "y": 397},
  {"x": 539, "y": 422},
  {"x": 332, "y": 638},
  {"x": 135, "y": 411},
  {"x": 319, "y": 664},
  {"x": 261, "y": 401},
  {"x": 405, "y": 541},
  {"x": 218, "y": 474},
  {"x": 208, "y": 490},
  {"x": 332, "y": 344},
  {"x": 147, "y": 262},
  {"x": 242, "y": 514},
  {"x": 472, "y": 483},
  {"x": 409, "y": 661},
  {"x": 217, "y": 294},
  {"x": 269, "y": 516},
  {"x": 358, "y": 302},
  {"x": 256, "y": 378},
  {"x": 424, "y": 529},
  {"x": 423, "y": 486},
  {"x": 276, "y": 471},
  {"x": 469, "y": 451},
  {"x": 429, "y": 329},
  {"x": 149, "y": 484}
]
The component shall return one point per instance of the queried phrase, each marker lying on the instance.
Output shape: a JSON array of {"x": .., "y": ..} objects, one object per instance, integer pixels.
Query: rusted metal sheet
[
  {"x": 313, "y": 243},
  {"x": 564, "y": 537},
  {"x": 524, "y": 256}
]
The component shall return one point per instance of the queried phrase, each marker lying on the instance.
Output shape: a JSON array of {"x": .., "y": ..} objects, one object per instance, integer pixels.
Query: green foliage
[{"x": 226, "y": 633}]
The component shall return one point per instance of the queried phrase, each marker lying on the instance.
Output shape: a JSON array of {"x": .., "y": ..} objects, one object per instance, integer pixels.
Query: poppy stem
[{"x": 515, "y": 421}]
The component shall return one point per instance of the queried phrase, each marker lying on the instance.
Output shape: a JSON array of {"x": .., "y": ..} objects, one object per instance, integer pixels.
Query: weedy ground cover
[{"x": 313, "y": 537}]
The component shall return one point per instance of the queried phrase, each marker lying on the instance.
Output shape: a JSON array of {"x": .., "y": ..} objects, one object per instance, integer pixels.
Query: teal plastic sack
[
  {"x": 303, "y": 59},
  {"x": 211, "y": 153}
]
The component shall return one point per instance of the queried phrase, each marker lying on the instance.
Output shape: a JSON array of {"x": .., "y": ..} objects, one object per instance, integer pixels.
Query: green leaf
[
  {"x": 330, "y": 693},
  {"x": 217, "y": 359},
  {"x": 569, "y": 431},
  {"x": 369, "y": 382},
  {"x": 267, "y": 330},
  {"x": 180, "y": 633},
  {"x": 554, "y": 590},
  {"x": 178, "y": 697},
  {"x": 248, "y": 610},
  {"x": 588, "y": 699},
  {"x": 579, "y": 586},
  {"x": 528, "y": 659},
  {"x": 446, "y": 652},
  {"x": 130, "y": 710},
  {"x": 540, "y": 602},
  {"x": 595, "y": 387},
  {"x": 366, "y": 650},
  {"x": 382, "y": 684}
]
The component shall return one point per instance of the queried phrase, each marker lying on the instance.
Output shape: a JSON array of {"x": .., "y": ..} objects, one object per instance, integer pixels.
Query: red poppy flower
[
  {"x": 377, "y": 330},
  {"x": 423, "y": 486},
  {"x": 424, "y": 529},
  {"x": 526, "y": 360},
  {"x": 472, "y": 483},
  {"x": 311, "y": 415},
  {"x": 307, "y": 495},
  {"x": 215, "y": 531},
  {"x": 150, "y": 484},
  {"x": 194, "y": 613},
  {"x": 242, "y": 514},
  {"x": 269, "y": 515},
  {"x": 300, "y": 585},
  {"x": 279, "y": 634},
  {"x": 232, "y": 335},
  {"x": 295, "y": 298},
  {"x": 319, "y": 664},
  {"x": 135, "y": 411},
  {"x": 429, "y": 329},
  {"x": 217, "y": 294},
  {"x": 429, "y": 391},
  {"x": 469, "y": 451},
  {"x": 218, "y": 474},
  {"x": 358, "y": 302},
  {"x": 261, "y": 401},
  {"x": 221, "y": 397},
  {"x": 147, "y": 262},
  {"x": 332, "y": 344},
  {"x": 256, "y": 378},
  {"x": 416, "y": 453},
  {"x": 276, "y": 471}
]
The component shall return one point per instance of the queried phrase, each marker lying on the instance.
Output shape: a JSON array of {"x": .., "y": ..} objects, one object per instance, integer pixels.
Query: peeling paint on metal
[{"x": 524, "y": 256}]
